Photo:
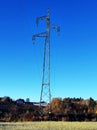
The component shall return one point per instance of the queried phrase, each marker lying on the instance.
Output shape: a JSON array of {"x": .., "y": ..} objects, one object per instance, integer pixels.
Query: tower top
[{"x": 48, "y": 12}]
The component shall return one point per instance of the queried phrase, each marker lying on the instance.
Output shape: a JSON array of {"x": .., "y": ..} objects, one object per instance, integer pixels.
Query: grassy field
[{"x": 49, "y": 126}]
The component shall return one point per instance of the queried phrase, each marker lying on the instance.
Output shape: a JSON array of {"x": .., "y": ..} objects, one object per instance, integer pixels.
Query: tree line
[
  {"x": 74, "y": 109},
  {"x": 67, "y": 109}
]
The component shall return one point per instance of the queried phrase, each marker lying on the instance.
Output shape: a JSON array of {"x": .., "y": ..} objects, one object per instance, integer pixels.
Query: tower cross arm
[
  {"x": 56, "y": 27},
  {"x": 43, "y": 34},
  {"x": 40, "y": 18}
]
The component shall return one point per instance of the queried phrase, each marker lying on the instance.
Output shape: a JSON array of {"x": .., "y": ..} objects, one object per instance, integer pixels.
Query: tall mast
[{"x": 45, "y": 95}]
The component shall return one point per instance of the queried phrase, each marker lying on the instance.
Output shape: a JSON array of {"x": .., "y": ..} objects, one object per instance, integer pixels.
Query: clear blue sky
[{"x": 73, "y": 53}]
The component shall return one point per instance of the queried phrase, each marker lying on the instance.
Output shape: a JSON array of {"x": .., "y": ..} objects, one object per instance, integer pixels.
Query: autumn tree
[
  {"x": 91, "y": 105},
  {"x": 57, "y": 105}
]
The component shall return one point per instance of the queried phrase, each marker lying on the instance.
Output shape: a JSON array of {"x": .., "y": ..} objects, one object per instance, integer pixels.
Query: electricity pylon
[{"x": 45, "y": 95}]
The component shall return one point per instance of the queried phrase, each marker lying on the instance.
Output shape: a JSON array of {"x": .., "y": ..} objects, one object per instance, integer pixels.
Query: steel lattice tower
[{"x": 45, "y": 95}]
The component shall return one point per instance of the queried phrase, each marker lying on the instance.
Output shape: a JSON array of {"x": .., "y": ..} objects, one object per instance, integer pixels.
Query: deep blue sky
[{"x": 73, "y": 53}]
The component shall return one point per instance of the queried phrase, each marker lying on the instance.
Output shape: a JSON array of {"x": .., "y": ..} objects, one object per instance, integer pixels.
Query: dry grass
[{"x": 49, "y": 126}]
